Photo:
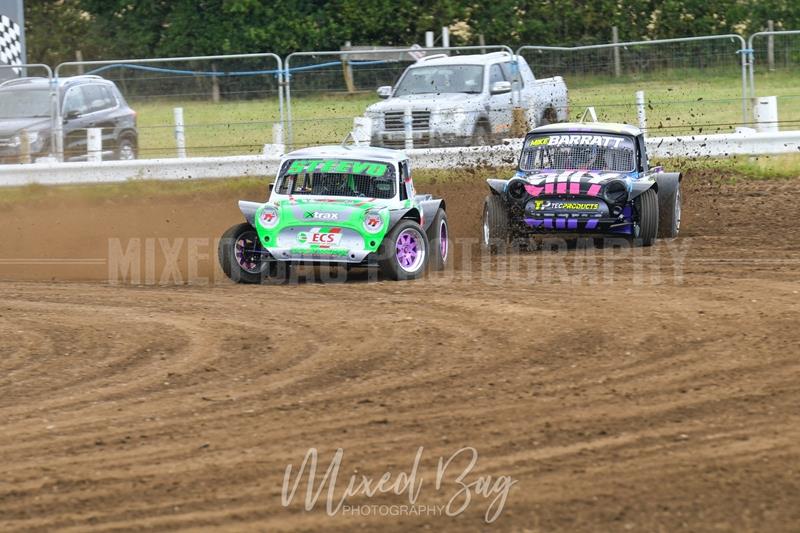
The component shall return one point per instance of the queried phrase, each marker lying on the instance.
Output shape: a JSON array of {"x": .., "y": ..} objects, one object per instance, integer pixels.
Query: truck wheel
[
  {"x": 482, "y": 136},
  {"x": 440, "y": 241},
  {"x": 669, "y": 213},
  {"x": 495, "y": 235},
  {"x": 126, "y": 149},
  {"x": 243, "y": 259},
  {"x": 646, "y": 205},
  {"x": 548, "y": 117},
  {"x": 403, "y": 254}
]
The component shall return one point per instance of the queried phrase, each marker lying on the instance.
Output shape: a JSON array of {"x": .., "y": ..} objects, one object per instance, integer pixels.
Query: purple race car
[{"x": 583, "y": 179}]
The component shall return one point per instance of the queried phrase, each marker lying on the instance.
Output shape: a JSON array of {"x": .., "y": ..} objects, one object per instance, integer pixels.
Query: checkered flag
[{"x": 10, "y": 45}]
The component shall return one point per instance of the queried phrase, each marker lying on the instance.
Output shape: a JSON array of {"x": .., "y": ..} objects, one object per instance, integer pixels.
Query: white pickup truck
[{"x": 463, "y": 100}]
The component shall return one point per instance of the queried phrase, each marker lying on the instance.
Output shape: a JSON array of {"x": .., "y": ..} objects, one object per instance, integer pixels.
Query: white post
[
  {"x": 180, "y": 132},
  {"x": 277, "y": 133},
  {"x": 408, "y": 122},
  {"x": 641, "y": 113},
  {"x": 24, "y": 147},
  {"x": 362, "y": 130},
  {"x": 617, "y": 63},
  {"x": 428, "y": 39},
  {"x": 765, "y": 113},
  {"x": 94, "y": 145},
  {"x": 445, "y": 37},
  {"x": 277, "y": 148}
]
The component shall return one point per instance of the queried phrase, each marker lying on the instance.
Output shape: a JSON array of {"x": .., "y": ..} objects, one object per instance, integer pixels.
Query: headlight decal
[
  {"x": 373, "y": 221},
  {"x": 268, "y": 217}
]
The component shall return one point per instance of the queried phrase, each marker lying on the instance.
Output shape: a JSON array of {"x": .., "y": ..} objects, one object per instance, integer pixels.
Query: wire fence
[
  {"x": 226, "y": 104},
  {"x": 240, "y": 104},
  {"x": 326, "y": 89},
  {"x": 775, "y": 71}
]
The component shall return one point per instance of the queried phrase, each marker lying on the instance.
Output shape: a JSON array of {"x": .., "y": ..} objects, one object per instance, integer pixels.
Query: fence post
[
  {"x": 347, "y": 70},
  {"x": 24, "y": 147},
  {"x": 482, "y": 42},
  {"x": 641, "y": 113},
  {"x": 428, "y": 39},
  {"x": 408, "y": 121},
  {"x": 94, "y": 145},
  {"x": 765, "y": 113},
  {"x": 615, "y": 40},
  {"x": 79, "y": 59},
  {"x": 58, "y": 127},
  {"x": 277, "y": 148},
  {"x": 770, "y": 47},
  {"x": 180, "y": 132},
  {"x": 362, "y": 130},
  {"x": 445, "y": 37},
  {"x": 214, "y": 84}
]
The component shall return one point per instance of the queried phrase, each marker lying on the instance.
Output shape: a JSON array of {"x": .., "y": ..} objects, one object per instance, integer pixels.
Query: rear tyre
[
  {"x": 404, "y": 251},
  {"x": 439, "y": 241},
  {"x": 669, "y": 213},
  {"x": 495, "y": 235},
  {"x": 646, "y": 205},
  {"x": 244, "y": 260}
]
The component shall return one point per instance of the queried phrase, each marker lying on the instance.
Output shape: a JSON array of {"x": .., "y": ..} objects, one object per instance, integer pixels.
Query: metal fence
[
  {"x": 774, "y": 70},
  {"x": 196, "y": 106},
  {"x": 692, "y": 85},
  {"x": 238, "y": 104}
]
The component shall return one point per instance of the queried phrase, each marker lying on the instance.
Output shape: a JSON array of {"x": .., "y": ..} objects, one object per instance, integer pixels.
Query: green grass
[
  {"x": 679, "y": 103},
  {"x": 685, "y": 105},
  {"x": 243, "y": 127}
]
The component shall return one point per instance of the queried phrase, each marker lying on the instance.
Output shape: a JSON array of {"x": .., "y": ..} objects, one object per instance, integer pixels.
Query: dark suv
[{"x": 86, "y": 102}]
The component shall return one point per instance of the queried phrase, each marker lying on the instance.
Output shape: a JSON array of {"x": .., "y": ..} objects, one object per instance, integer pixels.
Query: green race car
[{"x": 339, "y": 205}]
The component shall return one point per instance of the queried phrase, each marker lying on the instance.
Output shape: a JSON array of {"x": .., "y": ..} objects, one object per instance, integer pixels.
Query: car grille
[
  {"x": 420, "y": 120},
  {"x": 400, "y": 144}
]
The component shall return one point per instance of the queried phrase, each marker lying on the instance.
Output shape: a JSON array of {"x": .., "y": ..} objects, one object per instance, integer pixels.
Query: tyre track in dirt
[{"x": 647, "y": 401}]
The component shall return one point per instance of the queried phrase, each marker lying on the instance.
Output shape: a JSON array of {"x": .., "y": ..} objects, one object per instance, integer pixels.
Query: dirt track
[{"x": 646, "y": 390}]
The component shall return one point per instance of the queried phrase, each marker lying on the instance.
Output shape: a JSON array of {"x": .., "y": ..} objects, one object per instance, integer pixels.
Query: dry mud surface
[{"x": 645, "y": 390}]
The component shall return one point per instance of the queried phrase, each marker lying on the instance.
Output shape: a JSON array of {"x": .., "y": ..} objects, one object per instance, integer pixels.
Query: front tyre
[
  {"x": 241, "y": 255},
  {"x": 495, "y": 233},
  {"x": 669, "y": 211},
  {"x": 404, "y": 251},
  {"x": 646, "y": 205},
  {"x": 481, "y": 135},
  {"x": 439, "y": 241}
]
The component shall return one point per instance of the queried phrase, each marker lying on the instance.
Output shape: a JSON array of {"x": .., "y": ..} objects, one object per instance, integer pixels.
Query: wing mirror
[
  {"x": 385, "y": 91},
  {"x": 70, "y": 115},
  {"x": 500, "y": 87}
]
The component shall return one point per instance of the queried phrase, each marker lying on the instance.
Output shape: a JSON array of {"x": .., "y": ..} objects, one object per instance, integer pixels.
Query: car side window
[
  {"x": 109, "y": 97},
  {"x": 96, "y": 97},
  {"x": 74, "y": 102},
  {"x": 508, "y": 71},
  {"x": 496, "y": 74}
]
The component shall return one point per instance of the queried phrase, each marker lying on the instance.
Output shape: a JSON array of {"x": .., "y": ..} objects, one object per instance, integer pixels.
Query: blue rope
[{"x": 287, "y": 72}]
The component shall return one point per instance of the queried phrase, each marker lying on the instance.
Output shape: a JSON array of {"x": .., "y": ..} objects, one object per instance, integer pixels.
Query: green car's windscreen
[
  {"x": 337, "y": 177},
  {"x": 578, "y": 151}
]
